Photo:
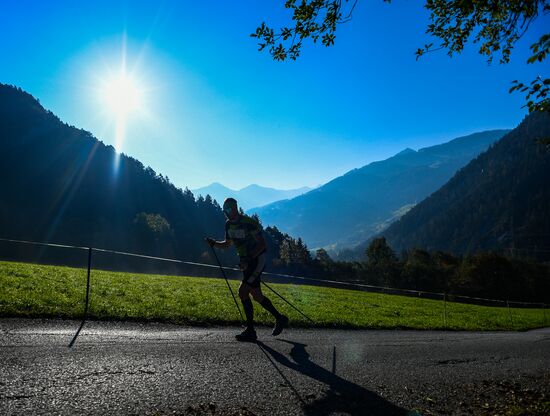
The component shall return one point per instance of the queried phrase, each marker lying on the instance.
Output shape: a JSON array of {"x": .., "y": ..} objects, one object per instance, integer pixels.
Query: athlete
[{"x": 246, "y": 234}]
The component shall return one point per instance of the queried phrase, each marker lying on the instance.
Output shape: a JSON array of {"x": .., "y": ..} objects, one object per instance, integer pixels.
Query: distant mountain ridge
[
  {"x": 499, "y": 201},
  {"x": 364, "y": 201},
  {"x": 251, "y": 196}
]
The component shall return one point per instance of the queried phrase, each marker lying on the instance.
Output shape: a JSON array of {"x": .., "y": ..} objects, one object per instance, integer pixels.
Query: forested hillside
[
  {"x": 499, "y": 201},
  {"x": 61, "y": 184}
]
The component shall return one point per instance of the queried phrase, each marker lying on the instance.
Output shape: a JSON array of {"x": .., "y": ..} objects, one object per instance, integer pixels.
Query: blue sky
[{"x": 215, "y": 109}]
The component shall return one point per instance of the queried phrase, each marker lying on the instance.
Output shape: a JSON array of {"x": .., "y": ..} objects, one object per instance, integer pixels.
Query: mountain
[
  {"x": 499, "y": 201},
  {"x": 61, "y": 184},
  {"x": 363, "y": 202},
  {"x": 250, "y": 196}
]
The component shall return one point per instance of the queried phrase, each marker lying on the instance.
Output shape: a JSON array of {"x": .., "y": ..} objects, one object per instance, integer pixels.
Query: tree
[
  {"x": 302, "y": 254},
  {"x": 494, "y": 25},
  {"x": 155, "y": 224},
  {"x": 382, "y": 261},
  {"x": 379, "y": 253},
  {"x": 153, "y": 231},
  {"x": 491, "y": 275},
  {"x": 285, "y": 252},
  {"x": 322, "y": 257},
  {"x": 420, "y": 271},
  {"x": 256, "y": 217}
]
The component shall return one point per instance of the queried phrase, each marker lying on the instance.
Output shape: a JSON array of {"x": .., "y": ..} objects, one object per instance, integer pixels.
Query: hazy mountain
[
  {"x": 250, "y": 196},
  {"x": 499, "y": 201},
  {"x": 363, "y": 202},
  {"x": 61, "y": 184}
]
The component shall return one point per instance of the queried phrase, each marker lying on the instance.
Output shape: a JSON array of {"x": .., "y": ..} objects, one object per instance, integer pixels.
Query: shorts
[{"x": 252, "y": 273}]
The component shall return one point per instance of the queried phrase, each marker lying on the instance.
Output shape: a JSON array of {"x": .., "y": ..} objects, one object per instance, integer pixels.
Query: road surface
[{"x": 130, "y": 368}]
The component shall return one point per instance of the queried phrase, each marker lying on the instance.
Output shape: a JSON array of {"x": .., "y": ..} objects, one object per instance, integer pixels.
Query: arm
[{"x": 223, "y": 244}]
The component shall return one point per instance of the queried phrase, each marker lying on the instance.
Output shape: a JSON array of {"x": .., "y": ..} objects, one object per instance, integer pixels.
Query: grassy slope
[{"x": 30, "y": 290}]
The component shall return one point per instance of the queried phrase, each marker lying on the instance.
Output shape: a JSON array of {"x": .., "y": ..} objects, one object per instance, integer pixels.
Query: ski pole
[
  {"x": 299, "y": 311},
  {"x": 226, "y": 281}
]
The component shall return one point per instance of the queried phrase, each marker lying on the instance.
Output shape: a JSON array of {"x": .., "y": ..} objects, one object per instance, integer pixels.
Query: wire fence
[
  {"x": 289, "y": 278},
  {"x": 212, "y": 270}
]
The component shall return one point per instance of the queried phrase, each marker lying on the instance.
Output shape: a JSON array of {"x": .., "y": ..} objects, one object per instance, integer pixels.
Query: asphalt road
[{"x": 130, "y": 368}]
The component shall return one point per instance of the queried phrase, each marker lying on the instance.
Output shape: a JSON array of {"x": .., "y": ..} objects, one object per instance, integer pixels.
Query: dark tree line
[{"x": 485, "y": 274}]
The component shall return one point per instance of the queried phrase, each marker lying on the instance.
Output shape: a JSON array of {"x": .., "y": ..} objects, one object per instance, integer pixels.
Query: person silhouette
[{"x": 246, "y": 234}]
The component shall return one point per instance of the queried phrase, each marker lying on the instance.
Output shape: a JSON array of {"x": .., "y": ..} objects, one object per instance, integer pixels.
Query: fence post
[
  {"x": 88, "y": 283},
  {"x": 510, "y": 314},
  {"x": 445, "y": 310},
  {"x": 87, "y": 298}
]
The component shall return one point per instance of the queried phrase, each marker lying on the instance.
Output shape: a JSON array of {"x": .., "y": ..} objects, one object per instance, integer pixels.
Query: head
[{"x": 230, "y": 209}]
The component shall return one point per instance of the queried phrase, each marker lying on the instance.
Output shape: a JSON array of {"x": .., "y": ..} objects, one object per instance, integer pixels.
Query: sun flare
[
  {"x": 122, "y": 100},
  {"x": 122, "y": 91},
  {"x": 122, "y": 95}
]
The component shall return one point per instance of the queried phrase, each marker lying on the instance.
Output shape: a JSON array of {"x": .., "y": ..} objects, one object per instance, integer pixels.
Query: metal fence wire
[{"x": 287, "y": 278}]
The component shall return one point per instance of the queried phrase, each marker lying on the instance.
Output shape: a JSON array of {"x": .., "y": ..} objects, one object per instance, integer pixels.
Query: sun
[
  {"x": 122, "y": 95},
  {"x": 122, "y": 98},
  {"x": 123, "y": 90}
]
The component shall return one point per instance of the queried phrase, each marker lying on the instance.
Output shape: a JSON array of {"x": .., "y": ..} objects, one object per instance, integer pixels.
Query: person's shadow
[{"x": 343, "y": 396}]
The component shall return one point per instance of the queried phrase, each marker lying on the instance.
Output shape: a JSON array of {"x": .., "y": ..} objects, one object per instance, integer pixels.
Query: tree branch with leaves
[
  {"x": 313, "y": 19},
  {"x": 495, "y": 25}
]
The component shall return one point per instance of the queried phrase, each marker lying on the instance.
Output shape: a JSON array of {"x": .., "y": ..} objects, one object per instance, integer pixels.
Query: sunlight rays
[{"x": 122, "y": 94}]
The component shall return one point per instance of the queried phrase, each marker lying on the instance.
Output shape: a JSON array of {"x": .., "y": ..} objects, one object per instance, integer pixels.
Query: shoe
[
  {"x": 281, "y": 324},
  {"x": 248, "y": 335}
]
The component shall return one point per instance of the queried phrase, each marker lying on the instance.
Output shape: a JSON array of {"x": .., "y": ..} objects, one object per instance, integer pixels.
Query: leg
[
  {"x": 244, "y": 292},
  {"x": 281, "y": 321},
  {"x": 258, "y": 296},
  {"x": 252, "y": 277}
]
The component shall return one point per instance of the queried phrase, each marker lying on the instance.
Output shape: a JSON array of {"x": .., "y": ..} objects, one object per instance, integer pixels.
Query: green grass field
[{"x": 29, "y": 290}]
